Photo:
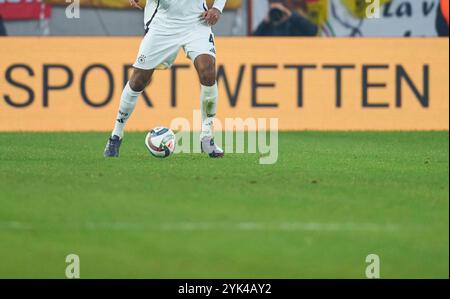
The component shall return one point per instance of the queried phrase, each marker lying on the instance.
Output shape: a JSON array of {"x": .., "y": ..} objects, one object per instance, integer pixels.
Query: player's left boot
[
  {"x": 112, "y": 147},
  {"x": 208, "y": 146}
]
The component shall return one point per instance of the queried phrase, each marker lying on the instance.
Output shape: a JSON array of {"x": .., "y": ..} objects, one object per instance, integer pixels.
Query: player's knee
[
  {"x": 208, "y": 77},
  {"x": 138, "y": 84},
  {"x": 139, "y": 80},
  {"x": 207, "y": 74}
]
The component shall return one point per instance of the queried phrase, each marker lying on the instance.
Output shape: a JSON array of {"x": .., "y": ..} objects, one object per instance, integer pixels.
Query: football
[{"x": 160, "y": 142}]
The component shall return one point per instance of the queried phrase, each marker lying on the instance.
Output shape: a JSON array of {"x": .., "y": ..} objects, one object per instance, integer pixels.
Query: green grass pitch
[{"x": 329, "y": 201}]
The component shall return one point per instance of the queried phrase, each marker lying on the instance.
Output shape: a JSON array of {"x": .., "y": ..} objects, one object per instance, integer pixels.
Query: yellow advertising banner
[
  {"x": 74, "y": 83},
  {"x": 96, "y": 3}
]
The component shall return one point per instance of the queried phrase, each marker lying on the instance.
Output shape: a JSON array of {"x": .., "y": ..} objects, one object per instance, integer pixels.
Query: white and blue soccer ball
[{"x": 160, "y": 142}]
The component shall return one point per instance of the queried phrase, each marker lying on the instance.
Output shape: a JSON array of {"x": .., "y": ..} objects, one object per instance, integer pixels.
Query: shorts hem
[
  {"x": 200, "y": 53},
  {"x": 143, "y": 68}
]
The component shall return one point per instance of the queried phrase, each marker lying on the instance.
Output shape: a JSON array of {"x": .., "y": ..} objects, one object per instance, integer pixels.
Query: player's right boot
[
  {"x": 112, "y": 147},
  {"x": 208, "y": 146}
]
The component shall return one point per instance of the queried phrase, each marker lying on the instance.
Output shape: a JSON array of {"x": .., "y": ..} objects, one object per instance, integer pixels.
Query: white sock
[
  {"x": 208, "y": 97},
  {"x": 128, "y": 101}
]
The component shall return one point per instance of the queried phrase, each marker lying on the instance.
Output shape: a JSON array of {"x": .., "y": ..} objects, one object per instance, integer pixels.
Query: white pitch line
[
  {"x": 208, "y": 226},
  {"x": 286, "y": 226},
  {"x": 14, "y": 225}
]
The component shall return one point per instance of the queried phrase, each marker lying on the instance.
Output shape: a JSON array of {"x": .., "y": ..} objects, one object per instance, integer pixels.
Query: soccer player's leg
[
  {"x": 130, "y": 94},
  {"x": 201, "y": 50},
  {"x": 206, "y": 68},
  {"x": 157, "y": 51}
]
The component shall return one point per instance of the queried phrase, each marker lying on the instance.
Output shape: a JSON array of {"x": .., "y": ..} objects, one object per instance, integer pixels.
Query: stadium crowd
[{"x": 305, "y": 17}]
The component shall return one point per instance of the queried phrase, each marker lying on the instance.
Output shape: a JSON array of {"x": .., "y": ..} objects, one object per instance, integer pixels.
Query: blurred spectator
[
  {"x": 2, "y": 27},
  {"x": 442, "y": 19},
  {"x": 281, "y": 21}
]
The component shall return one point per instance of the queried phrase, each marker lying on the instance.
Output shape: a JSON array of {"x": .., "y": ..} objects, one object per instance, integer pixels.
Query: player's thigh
[
  {"x": 200, "y": 40},
  {"x": 157, "y": 50},
  {"x": 201, "y": 49}
]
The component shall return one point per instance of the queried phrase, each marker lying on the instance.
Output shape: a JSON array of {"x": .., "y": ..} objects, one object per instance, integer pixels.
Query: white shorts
[{"x": 160, "y": 47}]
